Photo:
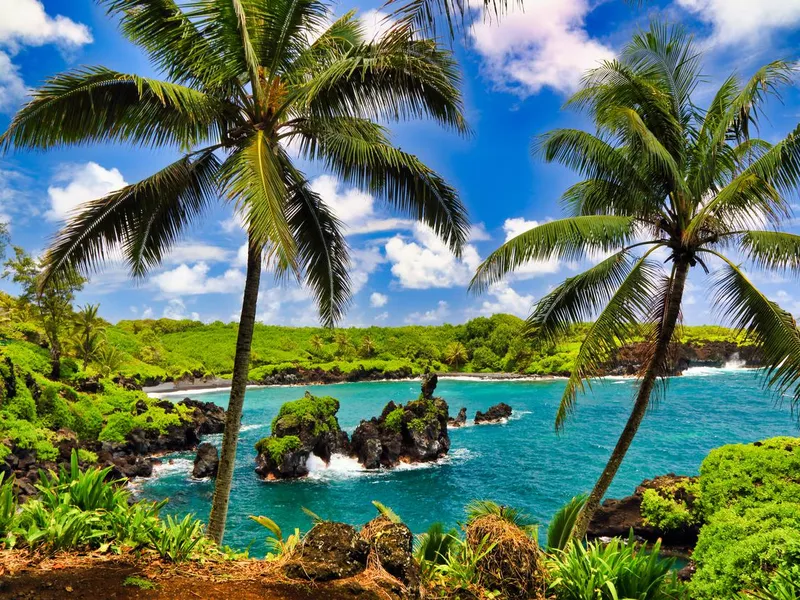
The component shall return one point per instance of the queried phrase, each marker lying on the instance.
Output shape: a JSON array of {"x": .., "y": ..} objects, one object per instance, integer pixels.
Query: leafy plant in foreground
[
  {"x": 480, "y": 508},
  {"x": 433, "y": 547},
  {"x": 559, "y": 532},
  {"x": 178, "y": 540},
  {"x": 618, "y": 570},
  {"x": 277, "y": 545}
]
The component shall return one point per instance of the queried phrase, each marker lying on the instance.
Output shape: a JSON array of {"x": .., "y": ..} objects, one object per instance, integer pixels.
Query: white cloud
[
  {"x": 744, "y": 21},
  {"x": 426, "y": 262},
  {"x": 234, "y": 224},
  {"x": 377, "y": 299},
  {"x": 540, "y": 43},
  {"x": 507, "y": 300},
  {"x": 272, "y": 300},
  {"x": 187, "y": 252},
  {"x": 176, "y": 309},
  {"x": 12, "y": 87},
  {"x": 376, "y": 24},
  {"x": 25, "y": 22},
  {"x": 436, "y": 315},
  {"x": 82, "y": 183},
  {"x": 382, "y": 317},
  {"x": 513, "y": 228},
  {"x": 147, "y": 313},
  {"x": 184, "y": 280},
  {"x": 478, "y": 233},
  {"x": 356, "y": 209},
  {"x": 363, "y": 263}
]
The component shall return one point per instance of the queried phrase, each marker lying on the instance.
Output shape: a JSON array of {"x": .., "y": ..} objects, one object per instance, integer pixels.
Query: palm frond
[
  {"x": 569, "y": 239},
  {"x": 95, "y": 104},
  {"x": 579, "y": 298},
  {"x": 254, "y": 179},
  {"x": 143, "y": 219},
  {"x": 173, "y": 42},
  {"x": 615, "y": 326},
  {"x": 559, "y": 532},
  {"x": 357, "y": 151},
  {"x": 387, "y": 512},
  {"x": 477, "y": 509},
  {"x": 772, "y": 329},
  {"x": 322, "y": 252},
  {"x": 772, "y": 250},
  {"x": 392, "y": 79}
]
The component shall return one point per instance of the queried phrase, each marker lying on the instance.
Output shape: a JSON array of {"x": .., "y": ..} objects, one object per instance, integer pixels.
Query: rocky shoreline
[{"x": 135, "y": 457}]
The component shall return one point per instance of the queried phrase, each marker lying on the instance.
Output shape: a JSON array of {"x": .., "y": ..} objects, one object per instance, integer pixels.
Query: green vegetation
[
  {"x": 82, "y": 510},
  {"x": 667, "y": 509},
  {"x": 139, "y": 582},
  {"x": 315, "y": 413},
  {"x": 751, "y": 503},
  {"x": 277, "y": 447}
]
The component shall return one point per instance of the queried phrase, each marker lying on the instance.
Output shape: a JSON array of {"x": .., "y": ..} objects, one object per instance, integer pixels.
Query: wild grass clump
[{"x": 511, "y": 561}]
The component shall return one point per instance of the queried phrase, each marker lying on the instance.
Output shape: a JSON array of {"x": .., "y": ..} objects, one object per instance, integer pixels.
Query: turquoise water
[{"x": 521, "y": 463}]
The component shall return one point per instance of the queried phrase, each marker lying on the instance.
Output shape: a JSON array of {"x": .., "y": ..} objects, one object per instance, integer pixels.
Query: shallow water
[{"x": 523, "y": 463}]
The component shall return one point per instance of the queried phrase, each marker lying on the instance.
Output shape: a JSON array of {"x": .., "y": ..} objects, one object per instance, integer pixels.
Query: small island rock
[
  {"x": 460, "y": 419},
  {"x": 206, "y": 462},
  {"x": 496, "y": 414}
]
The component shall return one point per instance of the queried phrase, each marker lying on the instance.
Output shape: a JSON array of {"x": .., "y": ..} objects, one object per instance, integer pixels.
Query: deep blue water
[{"x": 523, "y": 463}]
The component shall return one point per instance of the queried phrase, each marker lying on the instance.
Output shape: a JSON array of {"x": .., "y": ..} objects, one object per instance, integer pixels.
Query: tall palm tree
[
  {"x": 244, "y": 80},
  {"x": 663, "y": 178},
  {"x": 455, "y": 354}
]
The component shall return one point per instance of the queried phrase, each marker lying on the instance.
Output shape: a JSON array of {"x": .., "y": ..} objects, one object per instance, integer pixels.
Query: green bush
[
  {"x": 118, "y": 426},
  {"x": 666, "y": 514},
  {"x": 54, "y": 411},
  {"x": 276, "y": 447},
  {"x": 317, "y": 412},
  {"x": 88, "y": 420}
]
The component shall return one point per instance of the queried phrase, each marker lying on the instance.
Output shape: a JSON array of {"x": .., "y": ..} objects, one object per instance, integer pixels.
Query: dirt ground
[{"x": 102, "y": 578}]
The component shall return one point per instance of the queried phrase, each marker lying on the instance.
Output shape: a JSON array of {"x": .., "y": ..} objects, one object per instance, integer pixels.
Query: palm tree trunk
[
  {"x": 642, "y": 398},
  {"x": 55, "y": 362},
  {"x": 233, "y": 417}
]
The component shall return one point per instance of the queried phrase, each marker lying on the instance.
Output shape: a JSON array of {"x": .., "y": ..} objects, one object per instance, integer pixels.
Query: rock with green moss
[
  {"x": 414, "y": 432},
  {"x": 301, "y": 428}
]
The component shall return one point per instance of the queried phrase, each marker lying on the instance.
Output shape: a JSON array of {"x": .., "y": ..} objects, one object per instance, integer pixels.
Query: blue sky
[{"x": 517, "y": 74}]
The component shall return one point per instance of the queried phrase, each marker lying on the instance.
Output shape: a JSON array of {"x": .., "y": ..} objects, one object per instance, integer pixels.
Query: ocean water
[{"x": 523, "y": 463}]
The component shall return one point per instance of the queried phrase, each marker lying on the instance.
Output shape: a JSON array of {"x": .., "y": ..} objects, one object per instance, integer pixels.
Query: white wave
[
  {"x": 172, "y": 466},
  {"x": 712, "y": 371},
  {"x": 340, "y": 467}
]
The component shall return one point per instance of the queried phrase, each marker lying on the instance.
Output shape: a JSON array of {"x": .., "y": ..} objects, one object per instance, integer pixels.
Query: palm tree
[
  {"x": 316, "y": 343},
  {"x": 109, "y": 358},
  {"x": 88, "y": 327},
  {"x": 663, "y": 179},
  {"x": 455, "y": 354},
  {"x": 245, "y": 80},
  {"x": 367, "y": 348}
]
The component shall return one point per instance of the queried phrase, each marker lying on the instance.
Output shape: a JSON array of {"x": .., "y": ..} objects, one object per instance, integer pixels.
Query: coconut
[{"x": 514, "y": 565}]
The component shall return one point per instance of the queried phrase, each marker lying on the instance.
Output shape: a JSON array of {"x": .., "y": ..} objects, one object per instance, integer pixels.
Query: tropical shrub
[
  {"x": 666, "y": 514},
  {"x": 559, "y": 532},
  {"x": 618, "y": 570}
]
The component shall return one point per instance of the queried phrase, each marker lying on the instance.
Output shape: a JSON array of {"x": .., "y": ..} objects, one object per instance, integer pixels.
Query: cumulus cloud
[
  {"x": 272, "y": 300},
  {"x": 377, "y": 299},
  {"x": 506, "y": 300},
  {"x": 744, "y": 21},
  {"x": 376, "y": 24},
  {"x": 363, "y": 263},
  {"x": 426, "y": 262},
  {"x": 185, "y": 280},
  {"x": 540, "y": 43},
  {"x": 25, "y": 23},
  {"x": 187, "y": 252},
  {"x": 513, "y": 228},
  {"x": 478, "y": 233},
  {"x": 81, "y": 183},
  {"x": 435, "y": 315},
  {"x": 176, "y": 309},
  {"x": 356, "y": 209}
]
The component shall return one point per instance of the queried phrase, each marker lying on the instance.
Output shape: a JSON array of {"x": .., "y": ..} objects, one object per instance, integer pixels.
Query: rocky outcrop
[
  {"x": 629, "y": 359},
  {"x": 301, "y": 428},
  {"x": 617, "y": 517},
  {"x": 428, "y": 385},
  {"x": 460, "y": 419},
  {"x": 414, "y": 432},
  {"x": 333, "y": 551},
  {"x": 128, "y": 459},
  {"x": 206, "y": 461},
  {"x": 499, "y": 413},
  {"x": 328, "y": 551}
]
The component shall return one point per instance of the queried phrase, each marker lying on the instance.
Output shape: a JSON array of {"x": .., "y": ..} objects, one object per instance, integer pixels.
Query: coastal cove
[{"x": 522, "y": 463}]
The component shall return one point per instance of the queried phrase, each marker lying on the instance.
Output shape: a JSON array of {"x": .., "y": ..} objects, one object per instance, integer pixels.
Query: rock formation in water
[
  {"x": 301, "y": 428},
  {"x": 460, "y": 419},
  {"x": 617, "y": 517},
  {"x": 496, "y": 414},
  {"x": 414, "y": 432},
  {"x": 206, "y": 461}
]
